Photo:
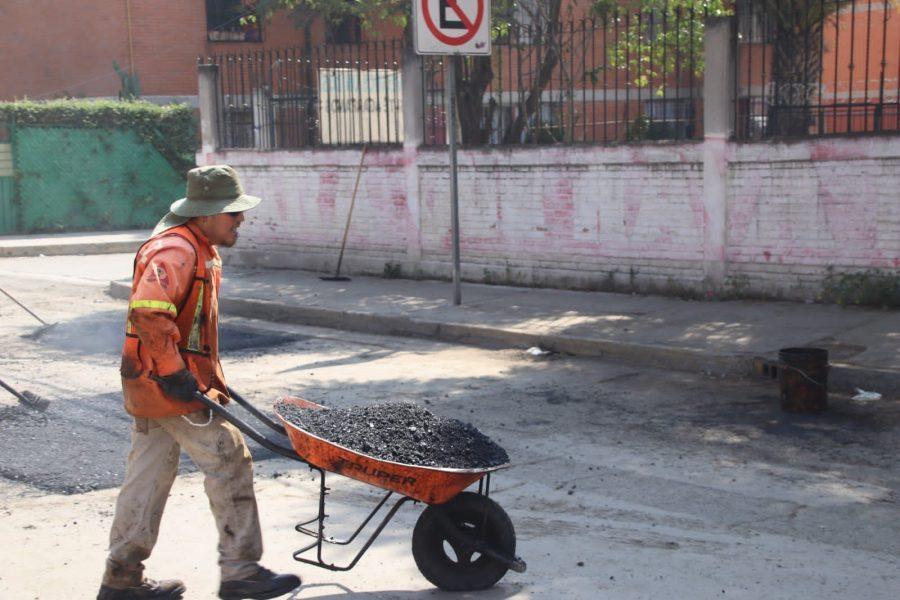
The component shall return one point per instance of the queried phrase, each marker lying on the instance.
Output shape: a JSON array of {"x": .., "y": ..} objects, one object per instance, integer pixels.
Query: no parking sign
[{"x": 452, "y": 26}]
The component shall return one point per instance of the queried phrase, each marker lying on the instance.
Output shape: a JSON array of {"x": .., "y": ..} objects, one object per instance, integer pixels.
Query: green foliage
[
  {"x": 546, "y": 134},
  {"x": 371, "y": 13},
  {"x": 872, "y": 287},
  {"x": 171, "y": 129},
  {"x": 801, "y": 14},
  {"x": 131, "y": 83},
  {"x": 638, "y": 128},
  {"x": 650, "y": 52},
  {"x": 656, "y": 44}
]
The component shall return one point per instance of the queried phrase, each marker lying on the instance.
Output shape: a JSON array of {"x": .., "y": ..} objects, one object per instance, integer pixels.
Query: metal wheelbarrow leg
[{"x": 319, "y": 533}]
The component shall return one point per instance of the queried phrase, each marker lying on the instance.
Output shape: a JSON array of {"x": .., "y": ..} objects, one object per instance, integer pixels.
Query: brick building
[{"x": 67, "y": 49}]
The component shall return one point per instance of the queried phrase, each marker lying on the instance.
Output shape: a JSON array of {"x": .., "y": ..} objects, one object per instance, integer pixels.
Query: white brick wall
[
  {"x": 633, "y": 216},
  {"x": 795, "y": 209}
]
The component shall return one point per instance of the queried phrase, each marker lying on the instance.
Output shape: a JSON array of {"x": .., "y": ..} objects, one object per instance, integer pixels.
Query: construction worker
[{"x": 171, "y": 352}]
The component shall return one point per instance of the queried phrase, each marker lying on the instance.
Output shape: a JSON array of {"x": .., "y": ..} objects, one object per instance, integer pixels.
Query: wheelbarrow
[{"x": 462, "y": 541}]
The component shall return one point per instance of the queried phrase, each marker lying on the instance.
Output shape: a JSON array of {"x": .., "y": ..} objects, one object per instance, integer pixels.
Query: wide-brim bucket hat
[{"x": 211, "y": 190}]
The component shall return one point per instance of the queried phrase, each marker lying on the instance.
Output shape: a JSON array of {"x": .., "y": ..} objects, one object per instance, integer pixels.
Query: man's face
[{"x": 221, "y": 230}]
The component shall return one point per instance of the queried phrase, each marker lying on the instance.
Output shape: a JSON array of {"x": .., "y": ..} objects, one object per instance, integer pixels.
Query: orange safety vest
[{"x": 198, "y": 343}]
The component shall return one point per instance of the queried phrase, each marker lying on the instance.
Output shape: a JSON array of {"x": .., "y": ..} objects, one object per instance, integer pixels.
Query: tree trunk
[
  {"x": 796, "y": 69},
  {"x": 548, "y": 62},
  {"x": 473, "y": 76}
]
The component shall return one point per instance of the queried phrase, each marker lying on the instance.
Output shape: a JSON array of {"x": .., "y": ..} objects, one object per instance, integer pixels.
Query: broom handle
[
  {"x": 13, "y": 392},
  {"x": 350, "y": 213},
  {"x": 25, "y": 308}
]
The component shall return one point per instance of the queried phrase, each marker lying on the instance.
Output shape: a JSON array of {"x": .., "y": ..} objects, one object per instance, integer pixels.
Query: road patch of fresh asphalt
[{"x": 80, "y": 442}]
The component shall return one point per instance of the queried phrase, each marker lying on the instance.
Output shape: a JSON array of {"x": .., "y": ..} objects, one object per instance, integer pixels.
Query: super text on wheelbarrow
[{"x": 400, "y": 432}]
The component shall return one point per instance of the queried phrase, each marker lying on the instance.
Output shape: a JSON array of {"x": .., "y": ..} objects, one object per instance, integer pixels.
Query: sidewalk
[
  {"x": 109, "y": 242},
  {"x": 720, "y": 338}
]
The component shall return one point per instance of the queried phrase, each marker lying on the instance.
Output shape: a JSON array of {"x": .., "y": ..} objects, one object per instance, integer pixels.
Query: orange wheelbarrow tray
[
  {"x": 426, "y": 484},
  {"x": 478, "y": 532}
]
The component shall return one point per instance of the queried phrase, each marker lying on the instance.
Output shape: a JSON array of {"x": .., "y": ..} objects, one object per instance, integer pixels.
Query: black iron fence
[
  {"x": 624, "y": 75},
  {"x": 804, "y": 68},
  {"x": 341, "y": 94},
  {"x": 816, "y": 67}
]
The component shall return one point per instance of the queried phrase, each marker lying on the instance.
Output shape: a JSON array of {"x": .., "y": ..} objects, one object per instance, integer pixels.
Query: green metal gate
[{"x": 71, "y": 179}]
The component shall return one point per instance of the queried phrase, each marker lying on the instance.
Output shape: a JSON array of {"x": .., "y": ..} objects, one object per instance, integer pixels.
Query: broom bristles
[{"x": 32, "y": 400}]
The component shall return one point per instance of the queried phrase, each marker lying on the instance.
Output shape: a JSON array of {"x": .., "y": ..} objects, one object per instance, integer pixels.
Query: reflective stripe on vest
[{"x": 157, "y": 304}]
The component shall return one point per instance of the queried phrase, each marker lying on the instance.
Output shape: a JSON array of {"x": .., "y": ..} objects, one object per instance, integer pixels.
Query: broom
[
  {"x": 28, "y": 399},
  {"x": 337, "y": 273}
]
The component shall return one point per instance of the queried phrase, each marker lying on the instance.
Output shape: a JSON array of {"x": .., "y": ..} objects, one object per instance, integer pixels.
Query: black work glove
[{"x": 180, "y": 384}]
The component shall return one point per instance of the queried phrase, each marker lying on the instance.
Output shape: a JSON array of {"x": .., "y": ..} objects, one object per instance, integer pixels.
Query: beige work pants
[{"x": 219, "y": 451}]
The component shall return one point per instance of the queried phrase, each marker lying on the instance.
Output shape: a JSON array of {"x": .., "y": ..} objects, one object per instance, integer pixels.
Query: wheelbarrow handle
[
  {"x": 263, "y": 418},
  {"x": 249, "y": 431}
]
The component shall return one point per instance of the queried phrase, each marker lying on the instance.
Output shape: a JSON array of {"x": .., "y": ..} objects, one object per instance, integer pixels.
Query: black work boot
[
  {"x": 264, "y": 584},
  {"x": 170, "y": 589}
]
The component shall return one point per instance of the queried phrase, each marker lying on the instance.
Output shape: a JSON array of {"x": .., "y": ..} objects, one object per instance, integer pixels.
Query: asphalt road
[{"x": 626, "y": 483}]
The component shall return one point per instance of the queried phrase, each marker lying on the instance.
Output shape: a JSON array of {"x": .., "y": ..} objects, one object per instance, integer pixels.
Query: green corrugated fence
[{"x": 84, "y": 179}]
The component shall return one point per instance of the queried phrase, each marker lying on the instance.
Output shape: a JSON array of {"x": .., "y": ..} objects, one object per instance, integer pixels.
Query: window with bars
[
  {"x": 346, "y": 31},
  {"x": 226, "y": 21}
]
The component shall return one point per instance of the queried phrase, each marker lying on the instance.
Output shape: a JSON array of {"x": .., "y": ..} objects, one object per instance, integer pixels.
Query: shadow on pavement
[{"x": 103, "y": 332}]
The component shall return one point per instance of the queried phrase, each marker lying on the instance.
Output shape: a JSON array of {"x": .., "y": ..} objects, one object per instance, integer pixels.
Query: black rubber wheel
[{"x": 445, "y": 562}]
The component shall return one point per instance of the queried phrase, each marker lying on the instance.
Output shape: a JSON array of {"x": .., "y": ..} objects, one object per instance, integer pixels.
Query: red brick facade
[{"x": 51, "y": 49}]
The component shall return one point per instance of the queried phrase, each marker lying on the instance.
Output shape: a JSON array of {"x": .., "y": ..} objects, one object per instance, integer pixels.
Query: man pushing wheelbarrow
[
  {"x": 171, "y": 352},
  {"x": 175, "y": 390}
]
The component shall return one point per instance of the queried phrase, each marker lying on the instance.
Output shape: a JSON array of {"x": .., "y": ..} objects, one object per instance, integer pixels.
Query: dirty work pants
[{"x": 219, "y": 451}]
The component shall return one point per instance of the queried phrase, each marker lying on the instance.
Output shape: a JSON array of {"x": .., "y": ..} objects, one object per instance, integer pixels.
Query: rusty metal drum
[{"x": 803, "y": 378}]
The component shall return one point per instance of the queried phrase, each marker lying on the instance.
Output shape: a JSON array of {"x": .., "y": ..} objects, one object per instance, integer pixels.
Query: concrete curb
[
  {"x": 63, "y": 249},
  {"x": 683, "y": 359},
  {"x": 842, "y": 377}
]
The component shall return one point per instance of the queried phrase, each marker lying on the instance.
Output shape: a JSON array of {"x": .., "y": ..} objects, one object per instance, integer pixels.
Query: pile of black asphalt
[{"x": 400, "y": 432}]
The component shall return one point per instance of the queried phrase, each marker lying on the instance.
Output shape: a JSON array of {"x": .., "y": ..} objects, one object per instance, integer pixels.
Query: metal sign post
[
  {"x": 453, "y": 28},
  {"x": 454, "y": 183}
]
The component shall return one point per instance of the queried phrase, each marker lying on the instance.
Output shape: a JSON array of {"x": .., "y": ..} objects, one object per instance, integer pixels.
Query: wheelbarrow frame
[{"x": 318, "y": 533}]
